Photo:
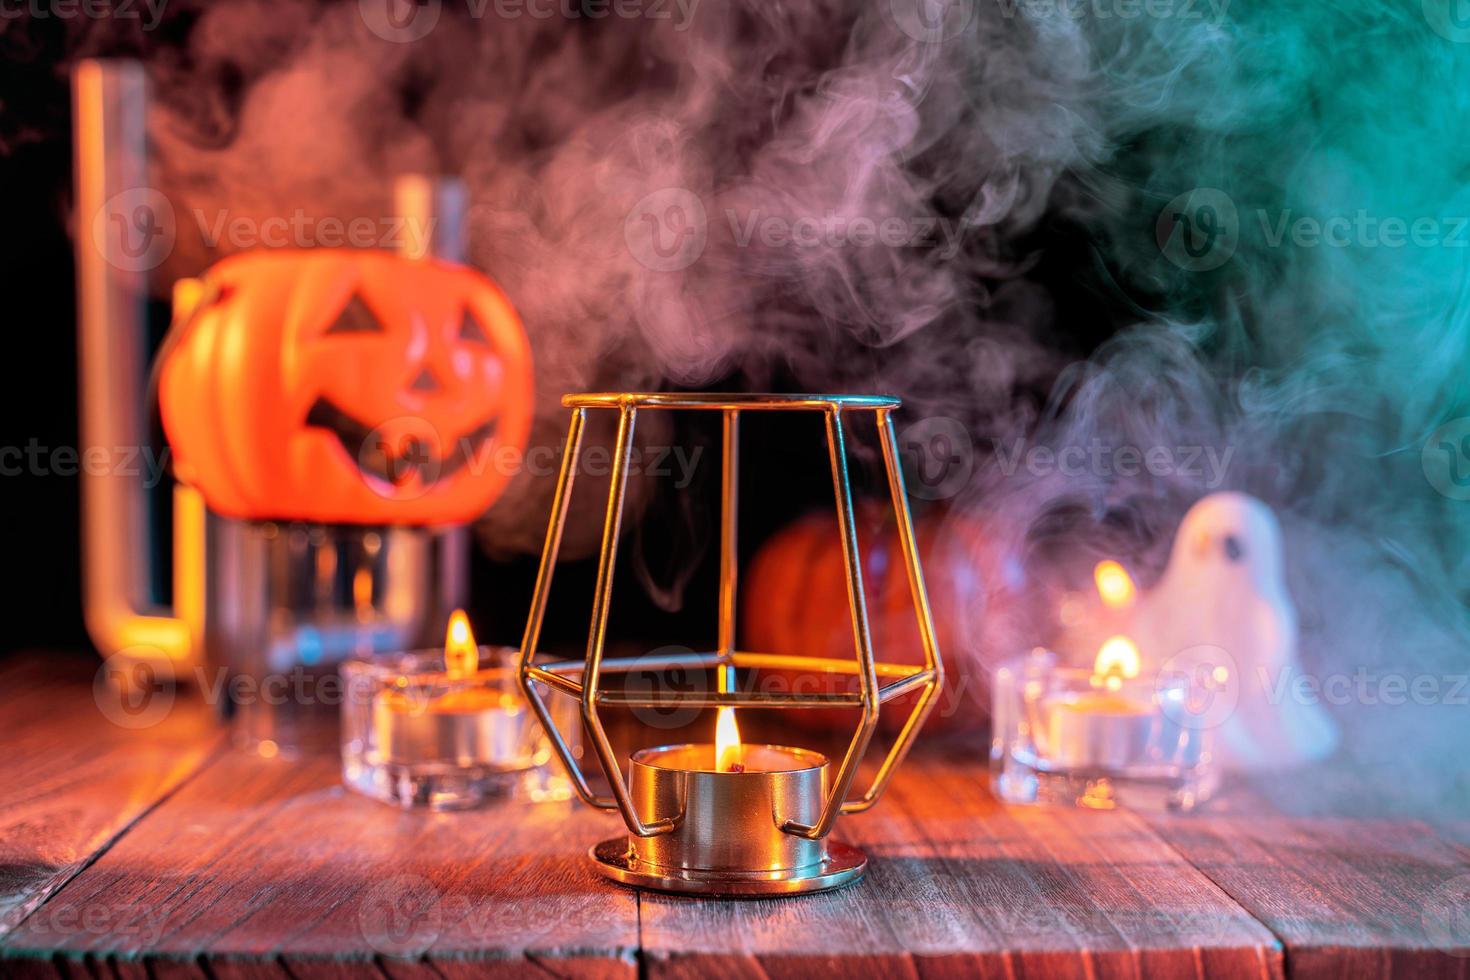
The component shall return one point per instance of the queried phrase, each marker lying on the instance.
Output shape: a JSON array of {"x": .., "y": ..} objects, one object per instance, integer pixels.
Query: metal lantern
[{"x": 692, "y": 826}]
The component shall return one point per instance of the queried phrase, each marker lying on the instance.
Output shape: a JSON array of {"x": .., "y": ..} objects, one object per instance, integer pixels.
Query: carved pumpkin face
[{"x": 345, "y": 386}]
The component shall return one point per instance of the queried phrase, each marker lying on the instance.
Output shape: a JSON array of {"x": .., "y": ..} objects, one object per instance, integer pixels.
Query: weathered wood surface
[
  {"x": 960, "y": 885},
  {"x": 1349, "y": 896},
  {"x": 74, "y": 773},
  {"x": 184, "y": 859},
  {"x": 274, "y": 862}
]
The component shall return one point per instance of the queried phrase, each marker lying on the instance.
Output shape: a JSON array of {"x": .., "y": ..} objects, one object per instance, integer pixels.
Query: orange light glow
[
  {"x": 461, "y": 655},
  {"x": 728, "y": 750},
  {"x": 1117, "y": 661},
  {"x": 1113, "y": 584}
]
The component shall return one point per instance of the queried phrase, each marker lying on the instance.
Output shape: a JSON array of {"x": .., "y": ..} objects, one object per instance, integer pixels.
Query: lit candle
[
  {"x": 731, "y": 801},
  {"x": 455, "y": 716},
  {"x": 1106, "y": 726},
  {"x": 729, "y": 756},
  {"x": 1114, "y": 586}
]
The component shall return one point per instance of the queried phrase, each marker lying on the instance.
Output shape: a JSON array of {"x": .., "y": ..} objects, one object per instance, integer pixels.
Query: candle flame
[
  {"x": 1117, "y": 661},
  {"x": 727, "y": 742},
  {"x": 1113, "y": 584},
  {"x": 461, "y": 655}
]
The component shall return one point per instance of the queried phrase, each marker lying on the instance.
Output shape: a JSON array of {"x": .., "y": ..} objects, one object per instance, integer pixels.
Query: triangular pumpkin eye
[
  {"x": 471, "y": 331},
  {"x": 355, "y": 318}
]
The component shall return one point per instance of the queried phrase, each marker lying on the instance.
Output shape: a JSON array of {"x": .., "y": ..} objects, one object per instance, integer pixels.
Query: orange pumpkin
[
  {"x": 795, "y": 602},
  {"x": 345, "y": 386}
]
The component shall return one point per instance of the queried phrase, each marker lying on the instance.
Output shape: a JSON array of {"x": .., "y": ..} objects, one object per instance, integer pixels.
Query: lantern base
[{"x": 843, "y": 865}]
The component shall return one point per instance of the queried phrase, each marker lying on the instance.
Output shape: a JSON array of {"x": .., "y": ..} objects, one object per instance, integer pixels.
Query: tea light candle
[
  {"x": 453, "y": 718},
  {"x": 1106, "y": 727},
  {"x": 729, "y": 802}
]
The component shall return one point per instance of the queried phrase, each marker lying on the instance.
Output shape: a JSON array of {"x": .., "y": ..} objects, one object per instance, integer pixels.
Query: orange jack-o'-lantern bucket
[
  {"x": 337, "y": 410},
  {"x": 345, "y": 387}
]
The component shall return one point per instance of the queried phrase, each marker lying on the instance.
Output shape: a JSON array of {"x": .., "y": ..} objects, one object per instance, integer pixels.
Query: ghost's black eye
[{"x": 1234, "y": 550}]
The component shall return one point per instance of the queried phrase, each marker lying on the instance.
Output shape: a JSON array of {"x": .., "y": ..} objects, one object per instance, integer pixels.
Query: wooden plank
[
  {"x": 960, "y": 885},
  {"x": 272, "y": 868},
  {"x": 79, "y": 767},
  {"x": 1349, "y": 897}
]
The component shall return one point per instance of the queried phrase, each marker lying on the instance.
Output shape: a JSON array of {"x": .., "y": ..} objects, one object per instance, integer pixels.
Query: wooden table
[{"x": 158, "y": 851}]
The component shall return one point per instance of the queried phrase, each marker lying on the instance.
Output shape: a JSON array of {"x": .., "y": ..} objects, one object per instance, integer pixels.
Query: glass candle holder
[
  {"x": 1064, "y": 735},
  {"x": 413, "y": 734}
]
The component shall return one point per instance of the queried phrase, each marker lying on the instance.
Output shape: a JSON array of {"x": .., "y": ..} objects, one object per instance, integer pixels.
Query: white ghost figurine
[{"x": 1225, "y": 590}]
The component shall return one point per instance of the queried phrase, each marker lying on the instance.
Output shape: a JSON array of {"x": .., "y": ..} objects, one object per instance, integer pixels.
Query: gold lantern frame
[{"x": 878, "y": 682}]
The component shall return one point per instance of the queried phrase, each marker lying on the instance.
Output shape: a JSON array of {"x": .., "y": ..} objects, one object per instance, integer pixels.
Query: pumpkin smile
[{"x": 397, "y": 465}]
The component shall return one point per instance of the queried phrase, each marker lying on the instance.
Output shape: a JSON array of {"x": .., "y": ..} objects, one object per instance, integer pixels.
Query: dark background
[{"x": 42, "y": 593}]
